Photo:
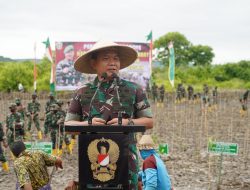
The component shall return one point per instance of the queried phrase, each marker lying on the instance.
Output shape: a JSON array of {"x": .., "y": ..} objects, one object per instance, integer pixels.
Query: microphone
[
  {"x": 116, "y": 81},
  {"x": 103, "y": 77}
]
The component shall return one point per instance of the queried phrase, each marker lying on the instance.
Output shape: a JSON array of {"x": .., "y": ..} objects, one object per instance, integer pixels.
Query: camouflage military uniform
[
  {"x": 206, "y": 93},
  {"x": 148, "y": 90},
  {"x": 179, "y": 92},
  {"x": 51, "y": 101},
  {"x": 190, "y": 90},
  {"x": 243, "y": 100},
  {"x": 63, "y": 114},
  {"x": 162, "y": 93},
  {"x": 33, "y": 114},
  {"x": 106, "y": 106},
  {"x": 154, "y": 92},
  {"x": 66, "y": 73},
  {"x": 20, "y": 108},
  {"x": 15, "y": 126},
  {"x": 54, "y": 120},
  {"x": 215, "y": 95},
  {"x": 2, "y": 157}
]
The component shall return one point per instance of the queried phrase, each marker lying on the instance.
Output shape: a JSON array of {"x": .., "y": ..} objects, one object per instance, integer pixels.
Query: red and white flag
[{"x": 103, "y": 159}]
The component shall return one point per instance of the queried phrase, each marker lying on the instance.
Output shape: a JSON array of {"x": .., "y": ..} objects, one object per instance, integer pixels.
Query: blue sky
[{"x": 222, "y": 24}]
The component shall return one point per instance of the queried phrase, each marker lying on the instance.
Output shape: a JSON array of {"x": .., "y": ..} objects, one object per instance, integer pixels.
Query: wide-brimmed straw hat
[
  {"x": 127, "y": 56},
  {"x": 146, "y": 143}
]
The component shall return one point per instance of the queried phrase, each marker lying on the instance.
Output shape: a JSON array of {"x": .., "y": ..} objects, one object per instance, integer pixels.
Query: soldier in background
[
  {"x": 215, "y": 96},
  {"x": 179, "y": 93},
  {"x": 51, "y": 101},
  {"x": 73, "y": 137},
  {"x": 190, "y": 90},
  {"x": 205, "y": 98},
  {"x": 183, "y": 93},
  {"x": 33, "y": 114},
  {"x": 162, "y": 94},
  {"x": 205, "y": 90},
  {"x": 5, "y": 165},
  {"x": 243, "y": 101},
  {"x": 20, "y": 108},
  {"x": 155, "y": 92},
  {"x": 14, "y": 125},
  {"x": 148, "y": 90},
  {"x": 54, "y": 125},
  {"x": 65, "y": 136}
]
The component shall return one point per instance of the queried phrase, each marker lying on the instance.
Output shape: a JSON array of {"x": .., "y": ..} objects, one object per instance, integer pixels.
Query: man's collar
[{"x": 94, "y": 84}]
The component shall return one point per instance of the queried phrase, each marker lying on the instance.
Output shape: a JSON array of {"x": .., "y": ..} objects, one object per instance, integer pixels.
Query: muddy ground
[{"x": 186, "y": 127}]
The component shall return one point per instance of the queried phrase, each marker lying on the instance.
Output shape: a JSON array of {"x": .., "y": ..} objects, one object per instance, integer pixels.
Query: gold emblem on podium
[{"x": 103, "y": 155}]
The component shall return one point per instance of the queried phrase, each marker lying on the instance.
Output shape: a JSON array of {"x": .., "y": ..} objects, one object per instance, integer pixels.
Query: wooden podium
[{"x": 103, "y": 153}]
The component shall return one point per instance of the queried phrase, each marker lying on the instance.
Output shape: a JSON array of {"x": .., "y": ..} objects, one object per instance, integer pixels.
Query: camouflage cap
[
  {"x": 34, "y": 94},
  {"x": 68, "y": 49},
  {"x": 51, "y": 94},
  {"x": 18, "y": 100},
  {"x": 54, "y": 107},
  {"x": 12, "y": 106},
  {"x": 60, "y": 102}
]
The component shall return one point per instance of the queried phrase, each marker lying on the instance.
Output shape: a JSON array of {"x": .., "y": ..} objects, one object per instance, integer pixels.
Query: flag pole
[
  {"x": 52, "y": 70},
  {"x": 35, "y": 69}
]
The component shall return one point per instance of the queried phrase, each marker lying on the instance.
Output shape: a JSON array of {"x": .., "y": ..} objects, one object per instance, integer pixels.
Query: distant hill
[
  {"x": 6, "y": 59},
  {"x": 28, "y": 59}
]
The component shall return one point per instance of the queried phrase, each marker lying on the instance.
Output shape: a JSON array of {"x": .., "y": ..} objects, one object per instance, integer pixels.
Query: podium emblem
[{"x": 103, "y": 155}]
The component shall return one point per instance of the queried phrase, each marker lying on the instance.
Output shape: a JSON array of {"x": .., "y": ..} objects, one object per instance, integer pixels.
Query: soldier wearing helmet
[
  {"x": 51, "y": 101},
  {"x": 66, "y": 137},
  {"x": 33, "y": 114},
  {"x": 54, "y": 125},
  {"x": 14, "y": 125},
  {"x": 3, "y": 159},
  {"x": 20, "y": 108}
]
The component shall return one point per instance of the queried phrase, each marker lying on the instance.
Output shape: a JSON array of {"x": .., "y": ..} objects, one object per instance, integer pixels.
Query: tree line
[{"x": 193, "y": 67}]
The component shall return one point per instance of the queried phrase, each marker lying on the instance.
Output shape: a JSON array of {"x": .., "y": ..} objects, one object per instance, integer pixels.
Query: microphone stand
[
  {"x": 104, "y": 76},
  {"x": 119, "y": 102}
]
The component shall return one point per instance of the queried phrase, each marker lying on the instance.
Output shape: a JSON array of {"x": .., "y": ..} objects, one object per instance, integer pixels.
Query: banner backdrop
[{"x": 67, "y": 78}]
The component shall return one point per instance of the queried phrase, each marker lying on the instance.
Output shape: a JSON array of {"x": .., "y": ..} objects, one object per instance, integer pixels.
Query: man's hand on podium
[
  {"x": 98, "y": 121},
  {"x": 115, "y": 122}
]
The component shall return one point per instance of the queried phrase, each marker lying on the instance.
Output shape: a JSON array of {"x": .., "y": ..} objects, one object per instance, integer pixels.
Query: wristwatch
[{"x": 130, "y": 121}]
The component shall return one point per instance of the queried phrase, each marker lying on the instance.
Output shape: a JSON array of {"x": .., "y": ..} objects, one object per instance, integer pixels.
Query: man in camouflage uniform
[
  {"x": 243, "y": 101},
  {"x": 5, "y": 165},
  {"x": 148, "y": 90},
  {"x": 205, "y": 97},
  {"x": 183, "y": 92},
  {"x": 20, "y": 108},
  {"x": 215, "y": 95},
  {"x": 65, "y": 136},
  {"x": 162, "y": 94},
  {"x": 14, "y": 125},
  {"x": 155, "y": 92},
  {"x": 179, "y": 93},
  {"x": 51, "y": 101},
  {"x": 109, "y": 58},
  {"x": 54, "y": 125},
  {"x": 33, "y": 114},
  {"x": 190, "y": 90}
]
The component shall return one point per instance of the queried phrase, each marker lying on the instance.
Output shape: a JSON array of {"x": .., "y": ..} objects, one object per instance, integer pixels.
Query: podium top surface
[{"x": 105, "y": 129}]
